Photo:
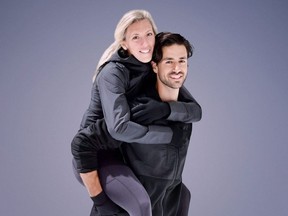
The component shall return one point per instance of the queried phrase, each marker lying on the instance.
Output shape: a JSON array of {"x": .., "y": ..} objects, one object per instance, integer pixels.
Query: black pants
[{"x": 168, "y": 197}]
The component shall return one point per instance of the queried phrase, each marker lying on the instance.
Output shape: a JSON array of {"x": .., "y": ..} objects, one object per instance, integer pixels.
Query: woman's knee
[{"x": 122, "y": 187}]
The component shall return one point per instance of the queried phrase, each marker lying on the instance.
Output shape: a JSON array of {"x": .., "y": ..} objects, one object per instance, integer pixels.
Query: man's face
[{"x": 172, "y": 69}]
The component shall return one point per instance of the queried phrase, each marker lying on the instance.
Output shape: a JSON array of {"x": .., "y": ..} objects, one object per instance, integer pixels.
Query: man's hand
[{"x": 147, "y": 110}]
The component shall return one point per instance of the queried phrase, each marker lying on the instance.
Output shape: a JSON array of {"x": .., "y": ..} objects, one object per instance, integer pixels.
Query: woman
[{"x": 119, "y": 74}]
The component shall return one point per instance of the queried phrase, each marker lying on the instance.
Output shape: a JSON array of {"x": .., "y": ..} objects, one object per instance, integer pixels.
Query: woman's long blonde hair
[{"x": 119, "y": 35}]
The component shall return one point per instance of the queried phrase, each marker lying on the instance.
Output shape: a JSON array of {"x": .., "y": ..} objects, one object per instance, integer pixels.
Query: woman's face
[{"x": 139, "y": 40}]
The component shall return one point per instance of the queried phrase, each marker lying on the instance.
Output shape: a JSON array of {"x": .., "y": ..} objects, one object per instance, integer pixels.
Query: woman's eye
[{"x": 135, "y": 38}]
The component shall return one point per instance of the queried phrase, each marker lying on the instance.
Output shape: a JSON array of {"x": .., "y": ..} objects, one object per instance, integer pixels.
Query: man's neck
[{"x": 166, "y": 93}]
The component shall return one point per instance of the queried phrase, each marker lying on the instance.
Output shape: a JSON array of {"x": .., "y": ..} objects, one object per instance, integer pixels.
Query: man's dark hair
[{"x": 164, "y": 39}]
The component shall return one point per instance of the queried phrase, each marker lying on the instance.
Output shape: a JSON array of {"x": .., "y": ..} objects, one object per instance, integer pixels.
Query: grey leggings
[{"x": 122, "y": 187}]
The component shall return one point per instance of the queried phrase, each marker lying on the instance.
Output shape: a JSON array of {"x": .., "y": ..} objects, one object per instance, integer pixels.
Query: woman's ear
[
  {"x": 154, "y": 66},
  {"x": 123, "y": 45}
]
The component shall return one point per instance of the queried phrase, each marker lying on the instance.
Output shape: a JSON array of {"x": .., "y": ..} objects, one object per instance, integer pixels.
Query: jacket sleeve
[
  {"x": 112, "y": 83},
  {"x": 186, "y": 109}
]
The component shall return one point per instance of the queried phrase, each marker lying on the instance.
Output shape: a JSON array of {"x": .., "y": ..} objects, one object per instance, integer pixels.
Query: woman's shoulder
[
  {"x": 112, "y": 67},
  {"x": 113, "y": 72}
]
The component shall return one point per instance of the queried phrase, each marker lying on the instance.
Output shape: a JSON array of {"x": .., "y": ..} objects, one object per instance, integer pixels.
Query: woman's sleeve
[
  {"x": 112, "y": 83},
  {"x": 186, "y": 109}
]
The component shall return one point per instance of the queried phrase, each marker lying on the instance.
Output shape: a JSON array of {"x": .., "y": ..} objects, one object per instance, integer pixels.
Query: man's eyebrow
[
  {"x": 170, "y": 58},
  {"x": 184, "y": 57}
]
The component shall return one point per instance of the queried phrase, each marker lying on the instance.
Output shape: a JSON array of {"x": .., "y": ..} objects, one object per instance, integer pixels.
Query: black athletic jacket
[{"x": 120, "y": 80}]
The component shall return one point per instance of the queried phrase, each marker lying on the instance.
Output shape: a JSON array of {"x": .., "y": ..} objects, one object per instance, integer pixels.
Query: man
[{"x": 159, "y": 167}]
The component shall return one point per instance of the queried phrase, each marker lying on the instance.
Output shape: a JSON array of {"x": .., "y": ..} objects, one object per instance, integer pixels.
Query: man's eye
[
  {"x": 150, "y": 34},
  {"x": 135, "y": 38}
]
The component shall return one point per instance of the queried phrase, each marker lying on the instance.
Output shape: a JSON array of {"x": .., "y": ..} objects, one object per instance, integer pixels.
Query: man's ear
[{"x": 154, "y": 67}]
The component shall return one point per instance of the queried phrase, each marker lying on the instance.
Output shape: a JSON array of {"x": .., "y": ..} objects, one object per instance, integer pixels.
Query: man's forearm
[{"x": 92, "y": 183}]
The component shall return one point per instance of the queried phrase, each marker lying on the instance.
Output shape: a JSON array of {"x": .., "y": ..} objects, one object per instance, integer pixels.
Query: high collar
[{"x": 130, "y": 62}]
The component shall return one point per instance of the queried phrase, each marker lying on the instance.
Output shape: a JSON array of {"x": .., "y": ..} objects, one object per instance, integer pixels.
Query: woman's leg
[
  {"x": 122, "y": 187},
  {"x": 76, "y": 173}
]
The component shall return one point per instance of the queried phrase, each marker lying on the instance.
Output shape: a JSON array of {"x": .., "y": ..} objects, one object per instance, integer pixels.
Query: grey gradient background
[{"x": 237, "y": 162}]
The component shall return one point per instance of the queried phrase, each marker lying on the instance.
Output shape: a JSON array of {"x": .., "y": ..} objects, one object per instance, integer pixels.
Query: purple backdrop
[{"x": 237, "y": 162}]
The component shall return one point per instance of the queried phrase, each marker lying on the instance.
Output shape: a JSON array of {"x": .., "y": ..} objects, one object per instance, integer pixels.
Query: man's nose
[{"x": 176, "y": 67}]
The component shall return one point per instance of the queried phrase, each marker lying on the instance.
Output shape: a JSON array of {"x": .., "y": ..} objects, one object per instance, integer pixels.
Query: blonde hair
[{"x": 120, "y": 32}]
